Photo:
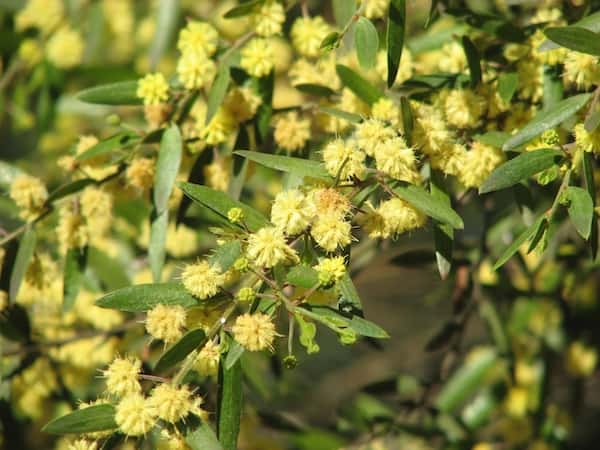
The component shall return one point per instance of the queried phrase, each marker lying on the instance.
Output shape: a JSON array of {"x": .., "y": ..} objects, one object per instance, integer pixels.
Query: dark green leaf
[
  {"x": 575, "y": 38},
  {"x": 15, "y": 324},
  {"x": 430, "y": 205},
  {"x": 349, "y": 291},
  {"x": 264, "y": 87},
  {"x": 242, "y": 10},
  {"x": 366, "y": 42},
  {"x": 514, "y": 247},
  {"x": 553, "y": 89},
  {"x": 75, "y": 263},
  {"x": 433, "y": 40},
  {"x": 396, "y": 26},
  {"x": 200, "y": 436},
  {"x": 221, "y": 203},
  {"x": 110, "y": 271},
  {"x": 350, "y": 117},
  {"x": 167, "y": 167},
  {"x": 196, "y": 177},
  {"x": 407, "y": 119},
  {"x": 538, "y": 235},
  {"x": 581, "y": 209},
  {"x": 22, "y": 261},
  {"x": 120, "y": 140},
  {"x": 87, "y": 420},
  {"x": 357, "y": 84},
  {"x": 493, "y": 138},
  {"x": 121, "y": 93},
  {"x": 229, "y": 407},
  {"x": 303, "y": 276},
  {"x": 178, "y": 351},
  {"x": 233, "y": 355},
  {"x": 143, "y": 297},
  {"x": 520, "y": 168},
  {"x": 507, "y": 85},
  {"x": 315, "y": 89},
  {"x": 330, "y": 41},
  {"x": 167, "y": 17},
  {"x": 443, "y": 234},
  {"x": 299, "y": 166},
  {"x": 367, "y": 328},
  {"x": 218, "y": 90},
  {"x": 466, "y": 380},
  {"x": 156, "y": 248},
  {"x": 225, "y": 255},
  {"x": 547, "y": 119},
  {"x": 591, "y": 23},
  {"x": 343, "y": 10},
  {"x": 473, "y": 60},
  {"x": 588, "y": 173},
  {"x": 69, "y": 188}
]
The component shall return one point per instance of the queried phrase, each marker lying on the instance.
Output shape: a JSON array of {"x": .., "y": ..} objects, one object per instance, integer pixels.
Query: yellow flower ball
[
  {"x": 258, "y": 57},
  {"x": 307, "y": 33},
  {"x": 291, "y": 212},
  {"x": 140, "y": 173},
  {"x": 153, "y": 89},
  {"x": 202, "y": 280},
  {"x": 331, "y": 232},
  {"x": 166, "y": 323},
  {"x": 172, "y": 403},
  {"x": 198, "y": 36},
  {"x": 291, "y": 132},
  {"x": 134, "y": 416},
  {"x": 195, "y": 69},
  {"x": 121, "y": 376},
  {"x": 29, "y": 194},
  {"x": 65, "y": 48},
  {"x": 399, "y": 217},
  {"x": 581, "y": 359},
  {"x": 268, "y": 18},
  {"x": 267, "y": 248},
  {"x": 207, "y": 362},
  {"x": 344, "y": 159},
  {"x": 254, "y": 332}
]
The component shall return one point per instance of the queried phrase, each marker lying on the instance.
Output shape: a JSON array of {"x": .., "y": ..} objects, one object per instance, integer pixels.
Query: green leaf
[
  {"x": 349, "y": 291},
  {"x": 330, "y": 41},
  {"x": 308, "y": 332},
  {"x": 473, "y": 60},
  {"x": 588, "y": 173},
  {"x": 507, "y": 85},
  {"x": 167, "y": 167},
  {"x": 466, "y": 380},
  {"x": 299, "y": 166},
  {"x": 22, "y": 260},
  {"x": 87, "y": 420},
  {"x": 547, "y": 119},
  {"x": 225, "y": 255},
  {"x": 75, "y": 264},
  {"x": 520, "y": 168},
  {"x": 592, "y": 122},
  {"x": 264, "y": 88},
  {"x": 493, "y": 138},
  {"x": 407, "y": 119},
  {"x": 357, "y": 84},
  {"x": 356, "y": 323},
  {"x": 581, "y": 210},
  {"x": 218, "y": 90},
  {"x": 433, "y": 40},
  {"x": 366, "y": 42},
  {"x": 121, "y": 93},
  {"x": 143, "y": 297},
  {"x": 229, "y": 406},
  {"x": 178, "y": 351},
  {"x": 514, "y": 247},
  {"x": 242, "y": 10},
  {"x": 443, "y": 234},
  {"x": 8, "y": 173},
  {"x": 396, "y": 26},
  {"x": 430, "y": 205},
  {"x": 303, "y": 276},
  {"x": 167, "y": 17},
  {"x": 591, "y": 23},
  {"x": 575, "y": 38},
  {"x": 200, "y": 436},
  {"x": 69, "y": 188},
  {"x": 315, "y": 89},
  {"x": 117, "y": 141},
  {"x": 553, "y": 89},
  {"x": 156, "y": 248},
  {"x": 220, "y": 203},
  {"x": 236, "y": 350},
  {"x": 110, "y": 271},
  {"x": 367, "y": 328},
  {"x": 15, "y": 324},
  {"x": 343, "y": 10},
  {"x": 350, "y": 117}
]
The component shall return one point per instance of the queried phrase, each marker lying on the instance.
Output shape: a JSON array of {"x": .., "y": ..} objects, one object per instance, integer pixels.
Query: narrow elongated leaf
[
  {"x": 8, "y": 173},
  {"x": 315, "y": 89},
  {"x": 196, "y": 177},
  {"x": 473, "y": 60},
  {"x": 167, "y": 167},
  {"x": 514, "y": 247},
  {"x": 233, "y": 355},
  {"x": 264, "y": 87},
  {"x": 359, "y": 325},
  {"x": 298, "y": 166},
  {"x": 407, "y": 119},
  {"x": 591, "y": 23},
  {"x": 242, "y": 10},
  {"x": 466, "y": 380},
  {"x": 342, "y": 12},
  {"x": 121, "y": 93},
  {"x": 357, "y": 84},
  {"x": 218, "y": 90},
  {"x": 303, "y": 276},
  {"x": 592, "y": 121},
  {"x": 443, "y": 234},
  {"x": 142, "y": 297},
  {"x": 547, "y": 119},
  {"x": 507, "y": 85},
  {"x": 75, "y": 263},
  {"x": 200, "y": 436},
  {"x": 396, "y": 26},
  {"x": 553, "y": 89},
  {"x": 120, "y": 140},
  {"x": 350, "y": 117},
  {"x": 581, "y": 210},
  {"x": 493, "y": 138},
  {"x": 430, "y": 205},
  {"x": 366, "y": 42},
  {"x": 87, "y": 420},
  {"x": 167, "y": 15},
  {"x": 220, "y": 203},
  {"x": 229, "y": 407},
  {"x": 331, "y": 41},
  {"x": 225, "y": 255},
  {"x": 349, "y": 291},
  {"x": 588, "y": 173},
  {"x": 575, "y": 38},
  {"x": 156, "y": 248},
  {"x": 520, "y": 168},
  {"x": 178, "y": 351},
  {"x": 69, "y": 188},
  {"x": 24, "y": 255}
]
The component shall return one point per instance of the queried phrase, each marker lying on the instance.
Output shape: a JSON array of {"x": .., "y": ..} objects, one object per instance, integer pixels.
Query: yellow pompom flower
[
  {"x": 581, "y": 359},
  {"x": 370, "y": 133},
  {"x": 121, "y": 376},
  {"x": 268, "y": 18},
  {"x": 71, "y": 231},
  {"x": 344, "y": 159},
  {"x": 400, "y": 217},
  {"x": 386, "y": 110},
  {"x": 198, "y": 36},
  {"x": 255, "y": 332},
  {"x": 246, "y": 295},
  {"x": 235, "y": 215},
  {"x": 463, "y": 108},
  {"x": 394, "y": 158},
  {"x": 331, "y": 269},
  {"x": 267, "y": 248},
  {"x": 516, "y": 402},
  {"x": 452, "y": 58},
  {"x": 217, "y": 174},
  {"x": 195, "y": 69},
  {"x": 375, "y": 9},
  {"x": 166, "y": 323},
  {"x": 65, "y": 48},
  {"x": 331, "y": 232},
  {"x": 291, "y": 212},
  {"x": 291, "y": 132},
  {"x": 153, "y": 89},
  {"x": 258, "y": 57},
  {"x": 30, "y": 52},
  {"x": 173, "y": 403},
  {"x": 241, "y": 103},
  {"x": 134, "y": 415},
  {"x": 477, "y": 164},
  {"x": 29, "y": 194},
  {"x": 372, "y": 222},
  {"x": 307, "y": 33},
  {"x": 202, "y": 280},
  {"x": 581, "y": 69},
  {"x": 219, "y": 129},
  {"x": 329, "y": 201},
  {"x": 42, "y": 14},
  {"x": 586, "y": 141},
  {"x": 96, "y": 208},
  {"x": 207, "y": 362},
  {"x": 140, "y": 173},
  {"x": 82, "y": 444}
]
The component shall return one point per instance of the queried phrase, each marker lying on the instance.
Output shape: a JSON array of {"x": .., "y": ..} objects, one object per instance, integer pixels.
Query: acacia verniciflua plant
[{"x": 266, "y": 153}]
